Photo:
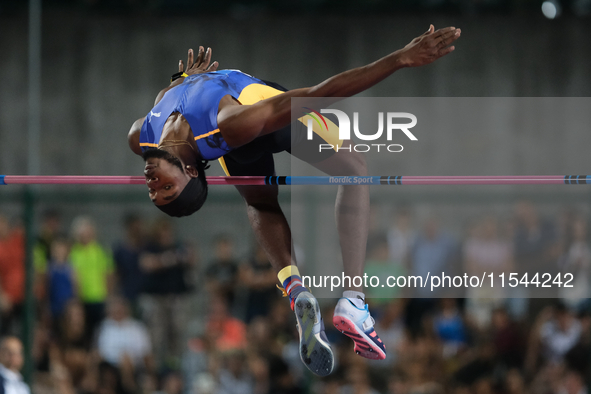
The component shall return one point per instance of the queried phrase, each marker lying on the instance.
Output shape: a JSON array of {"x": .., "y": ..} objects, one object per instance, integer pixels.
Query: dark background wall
[
  {"x": 100, "y": 73},
  {"x": 101, "y": 70}
]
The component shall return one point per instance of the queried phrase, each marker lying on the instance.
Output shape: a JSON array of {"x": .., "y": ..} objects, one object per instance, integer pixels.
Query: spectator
[
  {"x": 537, "y": 250},
  {"x": 50, "y": 228},
  {"x": 548, "y": 379},
  {"x": 71, "y": 347},
  {"x": 260, "y": 338},
  {"x": 259, "y": 369},
  {"x": 478, "y": 366},
  {"x": 433, "y": 252},
  {"x": 397, "y": 382},
  {"x": 283, "y": 323},
  {"x": 507, "y": 339},
  {"x": 224, "y": 331},
  {"x": 392, "y": 331},
  {"x": 450, "y": 327},
  {"x": 483, "y": 386},
  {"x": 535, "y": 240},
  {"x": 234, "y": 377},
  {"x": 485, "y": 252},
  {"x": 378, "y": 265},
  {"x": 222, "y": 272},
  {"x": 424, "y": 349},
  {"x": 514, "y": 382},
  {"x": 259, "y": 279},
  {"x": 577, "y": 261},
  {"x": 577, "y": 357},
  {"x": 357, "y": 381},
  {"x": 282, "y": 380},
  {"x": 421, "y": 380},
  {"x": 401, "y": 237},
  {"x": 166, "y": 263},
  {"x": 554, "y": 334},
  {"x": 204, "y": 383},
  {"x": 559, "y": 335},
  {"x": 11, "y": 362},
  {"x": 111, "y": 380},
  {"x": 12, "y": 275},
  {"x": 573, "y": 383},
  {"x": 126, "y": 255},
  {"x": 93, "y": 266},
  {"x": 172, "y": 383},
  {"x": 124, "y": 343},
  {"x": 493, "y": 360},
  {"x": 61, "y": 281}
]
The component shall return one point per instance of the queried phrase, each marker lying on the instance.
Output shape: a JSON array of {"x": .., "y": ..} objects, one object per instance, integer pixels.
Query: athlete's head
[{"x": 175, "y": 189}]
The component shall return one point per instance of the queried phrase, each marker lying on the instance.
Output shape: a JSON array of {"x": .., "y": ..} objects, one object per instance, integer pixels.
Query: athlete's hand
[
  {"x": 200, "y": 65},
  {"x": 429, "y": 46}
]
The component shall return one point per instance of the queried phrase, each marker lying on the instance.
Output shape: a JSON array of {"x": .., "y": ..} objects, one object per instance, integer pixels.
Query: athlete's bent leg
[
  {"x": 273, "y": 233},
  {"x": 269, "y": 224}
]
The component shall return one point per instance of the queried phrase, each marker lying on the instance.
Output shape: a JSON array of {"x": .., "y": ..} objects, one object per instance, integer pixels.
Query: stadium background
[{"x": 103, "y": 62}]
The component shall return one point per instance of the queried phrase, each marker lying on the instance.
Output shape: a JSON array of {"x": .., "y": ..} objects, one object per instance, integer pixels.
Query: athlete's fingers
[
  {"x": 440, "y": 32},
  {"x": 448, "y": 38},
  {"x": 199, "y": 59},
  {"x": 206, "y": 59},
  {"x": 181, "y": 66},
  {"x": 213, "y": 67},
  {"x": 445, "y": 30},
  {"x": 189, "y": 60},
  {"x": 431, "y": 30},
  {"x": 444, "y": 51},
  {"x": 422, "y": 36}
]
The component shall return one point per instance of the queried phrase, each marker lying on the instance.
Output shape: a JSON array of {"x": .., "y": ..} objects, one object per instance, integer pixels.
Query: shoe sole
[
  {"x": 315, "y": 353},
  {"x": 364, "y": 346}
]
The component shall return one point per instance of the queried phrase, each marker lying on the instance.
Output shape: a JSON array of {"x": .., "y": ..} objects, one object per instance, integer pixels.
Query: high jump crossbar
[{"x": 311, "y": 180}]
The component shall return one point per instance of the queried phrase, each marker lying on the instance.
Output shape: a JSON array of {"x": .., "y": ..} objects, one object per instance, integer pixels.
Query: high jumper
[{"x": 207, "y": 114}]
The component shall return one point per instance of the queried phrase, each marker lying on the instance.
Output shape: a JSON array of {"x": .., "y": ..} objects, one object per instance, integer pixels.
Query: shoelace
[{"x": 284, "y": 292}]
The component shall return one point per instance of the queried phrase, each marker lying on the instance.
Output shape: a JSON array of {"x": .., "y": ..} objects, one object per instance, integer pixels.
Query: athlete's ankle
[{"x": 292, "y": 283}]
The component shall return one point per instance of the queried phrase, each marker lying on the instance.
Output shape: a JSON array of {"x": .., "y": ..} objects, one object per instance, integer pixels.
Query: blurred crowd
[{"x": 148, "y": 315}]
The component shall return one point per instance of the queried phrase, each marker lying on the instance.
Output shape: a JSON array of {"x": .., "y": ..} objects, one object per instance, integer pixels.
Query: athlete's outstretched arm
[{"x": 240, "y": 124}]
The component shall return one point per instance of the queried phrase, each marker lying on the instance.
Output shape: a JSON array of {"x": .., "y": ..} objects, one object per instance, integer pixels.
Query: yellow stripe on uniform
[
  {"x": 148, "y": 144},
  {"x": 223, "y": 164},
  {"x": 207, "y": 134}
]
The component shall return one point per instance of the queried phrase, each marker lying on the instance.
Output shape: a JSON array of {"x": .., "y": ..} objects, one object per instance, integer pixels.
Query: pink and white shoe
[{"x": 357, "y": 324}]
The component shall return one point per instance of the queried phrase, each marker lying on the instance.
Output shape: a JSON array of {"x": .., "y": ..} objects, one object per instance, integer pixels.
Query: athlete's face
[{"x": 164, "y": 177}]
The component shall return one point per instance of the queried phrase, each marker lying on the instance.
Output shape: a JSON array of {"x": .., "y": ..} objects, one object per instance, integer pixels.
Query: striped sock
[{"x": 292, "y": 283}]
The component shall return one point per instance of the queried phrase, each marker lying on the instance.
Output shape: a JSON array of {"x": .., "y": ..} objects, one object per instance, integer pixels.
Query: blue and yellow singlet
[{"x": 197, "y": 99}]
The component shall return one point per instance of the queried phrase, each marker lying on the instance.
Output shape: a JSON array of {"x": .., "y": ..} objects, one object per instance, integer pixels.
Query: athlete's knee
[
  {"x": 351, "y": 164},
  {"x": 358, "y": 164},
  {"x": 260, "y": 196}
]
